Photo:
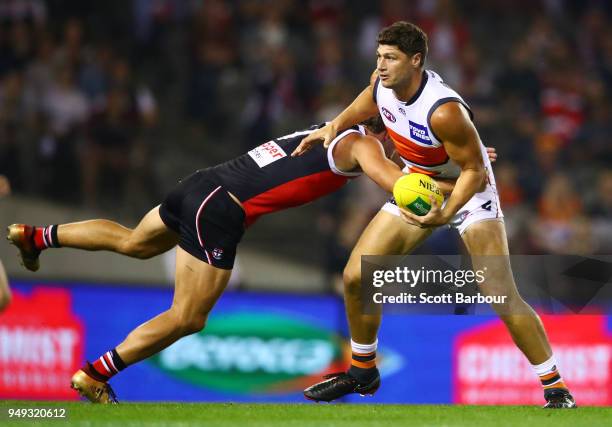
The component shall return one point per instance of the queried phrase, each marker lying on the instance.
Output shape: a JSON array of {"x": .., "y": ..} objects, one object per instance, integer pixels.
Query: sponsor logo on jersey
[
  {"x": 401, "y": 110},
  {"x": 267, "y": 153},
  {"x": 388, "y": 115},
  {"x": 419, "y": 133}
]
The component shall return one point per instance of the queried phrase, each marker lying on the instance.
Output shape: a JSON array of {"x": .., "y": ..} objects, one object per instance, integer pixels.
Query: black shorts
[{"x": 210, "y": 223}]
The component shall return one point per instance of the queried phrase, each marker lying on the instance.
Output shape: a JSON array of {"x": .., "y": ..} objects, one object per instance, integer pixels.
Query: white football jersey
[{"x": 408, "y": 125}]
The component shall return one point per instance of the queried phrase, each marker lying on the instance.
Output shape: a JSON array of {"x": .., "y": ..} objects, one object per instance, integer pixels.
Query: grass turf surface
[{"x": 228, "y": 414}]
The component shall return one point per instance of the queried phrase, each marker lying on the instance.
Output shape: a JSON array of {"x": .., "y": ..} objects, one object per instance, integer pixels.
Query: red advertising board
[
  {"x": 490, "y": 370},
  {"x": 41, "y": 345}
]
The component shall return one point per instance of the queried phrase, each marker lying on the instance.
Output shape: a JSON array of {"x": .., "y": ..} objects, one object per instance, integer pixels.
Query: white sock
[
  {"x": 549, "y": 374},
  {"x": 364, "y": 348},
  {"x": 546, "y": 367}
]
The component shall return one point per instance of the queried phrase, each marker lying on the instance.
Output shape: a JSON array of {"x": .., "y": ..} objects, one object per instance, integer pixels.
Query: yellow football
[{"x": 412, "y": 192}]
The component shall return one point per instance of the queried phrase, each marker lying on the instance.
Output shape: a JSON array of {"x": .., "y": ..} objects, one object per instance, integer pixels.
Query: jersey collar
[{"x": 419, "y": 90}]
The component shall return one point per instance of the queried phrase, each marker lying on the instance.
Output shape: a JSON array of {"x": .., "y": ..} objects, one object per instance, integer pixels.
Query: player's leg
[
  {"x": 5, "y": 290},
  {"x": 151, "y": 237},
  {"x": 487, "y": 244},
  {"x": 387, "y": 234},
  {"x": 197, "y": 289},
  {"x": 198, "y": 286},
  {"x": 211, "y": 225}
]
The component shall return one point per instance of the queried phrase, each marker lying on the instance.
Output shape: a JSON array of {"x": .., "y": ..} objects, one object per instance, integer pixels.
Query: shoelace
[
  {"x": 337, "y": 377},
  {"x": 109, "y": 390},
  {"x": 333, "y": 375},
  {"x": 111, "y": 394}
]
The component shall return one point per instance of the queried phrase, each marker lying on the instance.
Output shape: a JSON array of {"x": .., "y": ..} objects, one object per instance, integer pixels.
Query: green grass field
[{"x": 307, "y": 414}]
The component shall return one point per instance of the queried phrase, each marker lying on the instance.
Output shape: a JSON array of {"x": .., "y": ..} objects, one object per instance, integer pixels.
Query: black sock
[{"x": 363, "y": 367}]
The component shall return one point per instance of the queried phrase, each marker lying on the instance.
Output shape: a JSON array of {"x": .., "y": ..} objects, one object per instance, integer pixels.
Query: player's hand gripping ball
[{"x": 412, "y": 192}]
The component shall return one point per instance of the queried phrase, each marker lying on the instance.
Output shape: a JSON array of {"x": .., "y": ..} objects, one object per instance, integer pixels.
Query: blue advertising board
[{"x": 264, "y": 347}]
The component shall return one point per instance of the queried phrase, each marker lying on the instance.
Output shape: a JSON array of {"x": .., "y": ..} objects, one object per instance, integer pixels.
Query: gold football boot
[
  {"x": 91, "y": 389},
  {"x": 22, "y": 236}
]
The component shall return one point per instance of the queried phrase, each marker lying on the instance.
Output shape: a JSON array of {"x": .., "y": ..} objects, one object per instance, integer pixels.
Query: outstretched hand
[
  {"x": 326, "y": 134},
  {"x": 434, "y": 218},
  {"x": 492, "y": 154}
]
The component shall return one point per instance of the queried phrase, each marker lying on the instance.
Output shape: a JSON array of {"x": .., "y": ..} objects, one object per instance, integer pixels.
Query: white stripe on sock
[
  {"x": 110, "y": 359},
  {"x": 105, "y": 365},
  {"x": 44, "y": 237}
]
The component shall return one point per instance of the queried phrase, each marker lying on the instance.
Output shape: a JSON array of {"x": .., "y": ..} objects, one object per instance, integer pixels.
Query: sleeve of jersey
[{"x": 444, "y": 101}]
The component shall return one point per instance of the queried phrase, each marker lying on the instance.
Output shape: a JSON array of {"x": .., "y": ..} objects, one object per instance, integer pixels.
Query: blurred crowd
[{"x": 107, "y": 103}]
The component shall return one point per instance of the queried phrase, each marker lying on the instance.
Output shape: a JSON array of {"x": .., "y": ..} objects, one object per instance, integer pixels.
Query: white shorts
[{"x": 481, "y": 207}]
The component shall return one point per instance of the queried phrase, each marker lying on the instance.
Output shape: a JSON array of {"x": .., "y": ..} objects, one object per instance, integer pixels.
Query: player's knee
[
  {"x": 352, "y": 280},
  {"x": 188, "y": 325},
  {"x": 502, "y": 306},
  {"x": 515, "y": 311},
  {"x": 194, "y": 325},
  {"x": 515, "y": 321}
]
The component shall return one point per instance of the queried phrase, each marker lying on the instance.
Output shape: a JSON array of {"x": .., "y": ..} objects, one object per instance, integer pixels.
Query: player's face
[{"x": 394, "y": 67}]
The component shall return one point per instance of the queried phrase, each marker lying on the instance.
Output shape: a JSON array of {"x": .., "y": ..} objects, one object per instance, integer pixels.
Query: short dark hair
[
  {"x": 408, "y": 37},
  {"x": 375, "y": 124}
]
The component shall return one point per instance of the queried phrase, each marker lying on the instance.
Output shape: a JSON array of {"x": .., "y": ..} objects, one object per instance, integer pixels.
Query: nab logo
[
  {"x": 419, "y": 133},
  {"x": 388, "y": 115}
]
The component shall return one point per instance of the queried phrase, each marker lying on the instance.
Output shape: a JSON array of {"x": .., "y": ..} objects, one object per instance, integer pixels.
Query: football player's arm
[
  {"x": 382, "y": 170},
  {"x": 446, "y": 185},
  {"x": 451, "y": 123},
  {"x": 369, "y": 154},
  {"x": 362, "y": 108}
]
